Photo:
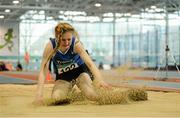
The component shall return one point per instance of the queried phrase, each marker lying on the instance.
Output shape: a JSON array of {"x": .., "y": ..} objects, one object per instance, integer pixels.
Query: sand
[{"x": 16, "y": 101}]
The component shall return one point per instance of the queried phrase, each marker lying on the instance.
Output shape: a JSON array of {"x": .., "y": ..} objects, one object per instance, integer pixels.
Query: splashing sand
[{"x": 106, "y": 97}]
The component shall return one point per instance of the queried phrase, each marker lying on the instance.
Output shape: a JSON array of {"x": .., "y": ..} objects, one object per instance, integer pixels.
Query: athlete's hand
[{"x": 38, "y": 102}]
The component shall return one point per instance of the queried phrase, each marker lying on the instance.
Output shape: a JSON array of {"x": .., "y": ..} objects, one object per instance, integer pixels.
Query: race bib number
[{"x": 67, "y": 68}]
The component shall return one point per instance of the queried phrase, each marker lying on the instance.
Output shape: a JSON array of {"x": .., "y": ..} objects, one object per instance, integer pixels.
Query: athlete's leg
[
  {"x": 61, "y": 89},
  {"x": 84, "y": 83}
]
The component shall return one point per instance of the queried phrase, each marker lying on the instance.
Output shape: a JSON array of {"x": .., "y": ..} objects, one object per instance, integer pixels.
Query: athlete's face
[{"x": 66, "y": 40}]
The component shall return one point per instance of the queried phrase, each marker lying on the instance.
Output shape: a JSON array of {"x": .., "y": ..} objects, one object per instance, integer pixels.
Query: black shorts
[{"x": 73, "y": 74}]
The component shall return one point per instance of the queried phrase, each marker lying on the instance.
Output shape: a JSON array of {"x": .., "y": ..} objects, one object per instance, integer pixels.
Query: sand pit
[{"x": 16, "y": 100}]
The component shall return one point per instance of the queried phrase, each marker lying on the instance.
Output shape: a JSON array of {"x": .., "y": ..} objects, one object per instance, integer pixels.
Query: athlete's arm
[
  {"x": 91, "y": 65},
  {"x": 43, "y": 72}
]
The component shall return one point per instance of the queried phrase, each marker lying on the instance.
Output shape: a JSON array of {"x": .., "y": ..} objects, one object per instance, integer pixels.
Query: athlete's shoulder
[
  {"x": 76, "y": 40},
  {"x": 48, "y": 46},
  {"x": 53, "y": 42}
]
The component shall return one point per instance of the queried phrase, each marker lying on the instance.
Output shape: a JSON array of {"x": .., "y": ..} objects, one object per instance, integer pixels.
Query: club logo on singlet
[{"x": 66, "y": 66}]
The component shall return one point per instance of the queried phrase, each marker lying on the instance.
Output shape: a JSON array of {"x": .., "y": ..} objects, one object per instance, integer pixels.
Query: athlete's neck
[{"x": 63, "y": 50}]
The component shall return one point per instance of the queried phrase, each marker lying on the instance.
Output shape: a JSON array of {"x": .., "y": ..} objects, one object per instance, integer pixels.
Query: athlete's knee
[
  {"x": 61, "y": 89},
  {"x": 59, "y": 94}
]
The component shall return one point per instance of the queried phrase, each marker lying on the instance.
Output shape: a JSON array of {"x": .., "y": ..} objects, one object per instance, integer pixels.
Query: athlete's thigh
[
  {"x": 84, "y": 81},
  {"x": 61, "y": 89}
]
